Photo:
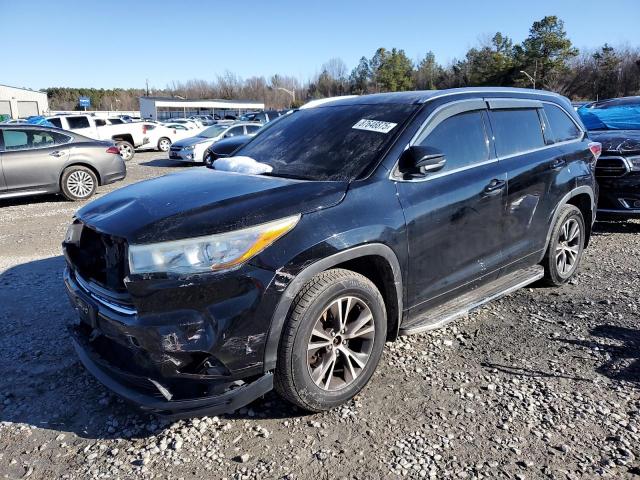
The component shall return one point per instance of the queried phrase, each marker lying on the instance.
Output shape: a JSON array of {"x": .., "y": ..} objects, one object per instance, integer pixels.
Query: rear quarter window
[
  {"x": 562, "y": 127},
  {"x": 516, "y": 130}
]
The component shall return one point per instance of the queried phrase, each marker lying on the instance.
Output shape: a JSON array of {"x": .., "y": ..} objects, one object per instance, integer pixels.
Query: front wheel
[
  {"x": 126, "y": 150},
  {"x": 565, "y": 246},
  {"x": 332, "y": 341}
]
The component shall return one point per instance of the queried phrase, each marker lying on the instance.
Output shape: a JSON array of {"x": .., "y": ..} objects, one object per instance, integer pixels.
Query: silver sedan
[{"x": 35, "y": 159}]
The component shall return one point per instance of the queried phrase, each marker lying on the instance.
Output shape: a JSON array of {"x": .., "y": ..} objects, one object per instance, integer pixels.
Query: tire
[
  {"x": 127, "y": 151},
  {"x": 78, "y": 183},
  {"x": 556, "y": 272},
  {"x": 164, "y": 144},
  {"x": 207, "y": 159},
  {"x": 315, "y": 309}
]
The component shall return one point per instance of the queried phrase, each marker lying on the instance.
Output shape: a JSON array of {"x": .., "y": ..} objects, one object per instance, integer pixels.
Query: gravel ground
[{"x": 544, "y": 383}]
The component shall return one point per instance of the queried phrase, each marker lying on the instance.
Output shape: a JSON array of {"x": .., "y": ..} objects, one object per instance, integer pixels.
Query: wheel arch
[
  {"x": 583, "y": 198},
  {"x": 376, "y": 261},
  {"x": 79, "y": 163}
]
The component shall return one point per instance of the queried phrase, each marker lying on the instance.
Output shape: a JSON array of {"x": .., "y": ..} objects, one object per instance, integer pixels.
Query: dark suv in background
[
  {"x": 615, "y": 124},
  {"x": 335, "y": 230}
]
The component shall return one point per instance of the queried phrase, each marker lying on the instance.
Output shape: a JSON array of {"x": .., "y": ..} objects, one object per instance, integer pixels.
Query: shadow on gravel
[
  {"x": 43, "y": 199},
  {"x": 623, "y": 362},
  {"x": 527, "y": 372},
  {"x": 43, "y": 384},
  {"x": 616, "y": 227},
  {"x": 165, "y": 162}
]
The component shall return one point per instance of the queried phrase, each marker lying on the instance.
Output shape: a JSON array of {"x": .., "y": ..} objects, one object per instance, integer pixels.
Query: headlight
[
  {"x": 634, "y": 163},
  {"x": 189, "y": 147},
  {"x": 211, "y": 253}
]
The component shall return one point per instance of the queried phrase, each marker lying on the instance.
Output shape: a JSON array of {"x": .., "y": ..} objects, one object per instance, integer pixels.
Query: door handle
[
  {"x": 557, "y": 163},
  {"x": 57, "y": 153},
  {"x": 495, "y": 186}
]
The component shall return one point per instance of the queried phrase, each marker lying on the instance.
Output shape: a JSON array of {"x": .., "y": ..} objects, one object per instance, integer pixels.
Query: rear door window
[
  {"x": 462, "y": 138},
  {"x": 78, "y": 122},
  {"x": 252, "y": 129},
  {"x": 516, "y": 130},
  {"x": 562, "y": 127}
]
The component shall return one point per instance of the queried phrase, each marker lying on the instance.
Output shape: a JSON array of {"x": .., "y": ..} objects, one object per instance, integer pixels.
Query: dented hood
[
  {"x": 202, "y": 202},
  {"x": 618, "y": 141}
]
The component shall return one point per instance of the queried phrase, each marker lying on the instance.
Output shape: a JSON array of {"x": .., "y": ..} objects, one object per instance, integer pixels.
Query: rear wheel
[
  {"x": 78, "y": 183},
  {"x": 164, "y": 144},
  {"x": 126, "y": 150},
  {"x": 332, "y": 341},
  {"x": 565, "y": 246}
]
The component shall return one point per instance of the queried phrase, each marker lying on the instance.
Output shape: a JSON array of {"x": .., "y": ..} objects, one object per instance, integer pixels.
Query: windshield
[
  {"x": 213, "y": 132},
  {"x": 611, "y": 116},
  {"x": 327, "y": 143}
]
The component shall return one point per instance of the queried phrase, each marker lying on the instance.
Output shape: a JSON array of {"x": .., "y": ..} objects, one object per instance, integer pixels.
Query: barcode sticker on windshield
[{"x": 374, "y": 126}]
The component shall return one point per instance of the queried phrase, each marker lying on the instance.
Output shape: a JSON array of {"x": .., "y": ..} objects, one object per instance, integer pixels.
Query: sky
[{"x": 117, "y": 43}]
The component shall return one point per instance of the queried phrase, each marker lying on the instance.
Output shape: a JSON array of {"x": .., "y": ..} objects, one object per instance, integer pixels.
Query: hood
[
  {"x": 618, "y": 141},
  {"x": 196, "y": 203},
  {"x": 185, "y": 142}
]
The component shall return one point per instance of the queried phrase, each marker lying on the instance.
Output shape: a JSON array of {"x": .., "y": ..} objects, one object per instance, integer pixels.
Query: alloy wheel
[
  {"x": 126, "y": 152},
  {"x": 80, "y": 184},
  {"x": 341, "y": 343},
  {"x": 568, "y": 246}
]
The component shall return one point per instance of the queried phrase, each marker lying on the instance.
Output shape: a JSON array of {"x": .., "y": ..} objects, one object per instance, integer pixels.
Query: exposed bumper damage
[{"x": 202, "y": 353}]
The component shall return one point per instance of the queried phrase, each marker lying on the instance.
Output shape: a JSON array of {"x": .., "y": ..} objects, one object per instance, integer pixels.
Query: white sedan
[{"x": 193, "y": 149}]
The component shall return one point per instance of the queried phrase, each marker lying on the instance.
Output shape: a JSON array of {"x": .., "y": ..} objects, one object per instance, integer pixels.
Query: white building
[
  {"x": 21, "y": 102},
  {"x": 163, "y": 108}
]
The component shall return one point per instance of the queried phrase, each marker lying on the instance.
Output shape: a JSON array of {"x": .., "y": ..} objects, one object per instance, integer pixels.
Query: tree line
[{"x": 545, "y": 59}]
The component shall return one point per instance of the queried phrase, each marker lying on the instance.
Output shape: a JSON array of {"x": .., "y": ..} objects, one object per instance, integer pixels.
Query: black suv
[
  {"x": 616, "y": 125},
  {"x": 349, "y": 224}
]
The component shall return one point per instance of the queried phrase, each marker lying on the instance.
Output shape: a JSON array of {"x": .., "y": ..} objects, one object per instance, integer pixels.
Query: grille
[
  {"x": 611, "y": 167},
  {"x": 100, "y": 258}
]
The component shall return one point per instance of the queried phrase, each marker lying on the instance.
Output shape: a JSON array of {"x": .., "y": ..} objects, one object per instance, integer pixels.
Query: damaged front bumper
[
  {"x": 171, "y": 360},
  {"x": 162, "y": 403}
]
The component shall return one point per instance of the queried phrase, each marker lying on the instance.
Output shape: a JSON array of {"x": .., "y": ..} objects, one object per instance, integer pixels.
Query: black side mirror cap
[{"x": 422, "y": 159}]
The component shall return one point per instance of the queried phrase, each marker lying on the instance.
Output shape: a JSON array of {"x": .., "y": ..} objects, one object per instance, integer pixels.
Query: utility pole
[{"x": 147, "y": 87}]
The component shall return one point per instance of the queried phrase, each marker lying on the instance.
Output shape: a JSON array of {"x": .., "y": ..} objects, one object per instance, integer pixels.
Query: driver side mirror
[{"x": 418, "y": 160}]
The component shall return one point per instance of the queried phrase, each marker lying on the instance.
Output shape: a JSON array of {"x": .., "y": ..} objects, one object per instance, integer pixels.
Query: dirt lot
[{"x": 542, "y": 384}]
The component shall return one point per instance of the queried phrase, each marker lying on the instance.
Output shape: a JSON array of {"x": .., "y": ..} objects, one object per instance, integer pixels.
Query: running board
[{"x": 460, "y": 306}]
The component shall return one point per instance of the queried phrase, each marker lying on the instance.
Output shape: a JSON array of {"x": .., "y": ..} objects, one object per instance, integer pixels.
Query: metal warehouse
[
  {"x": 163, "y": 108},
  {"x": 21, "y": 102}
]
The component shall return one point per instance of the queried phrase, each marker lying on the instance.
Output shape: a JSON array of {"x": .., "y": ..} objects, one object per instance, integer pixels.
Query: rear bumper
[
  {"x": 226, "y": 402},
  {"x": 113, "y": 177}
]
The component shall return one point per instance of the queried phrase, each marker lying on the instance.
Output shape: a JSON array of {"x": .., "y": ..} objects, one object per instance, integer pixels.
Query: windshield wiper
[{"x": 286, "y": 175}]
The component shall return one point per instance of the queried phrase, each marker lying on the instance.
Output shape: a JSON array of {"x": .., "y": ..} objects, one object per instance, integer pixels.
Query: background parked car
[
  {"x": 262, "y": 117},
  {"x": 193, "y": 149},
  {"x": 224, "y": 148},
  {"x": 615, "y": 124},
  {"x": 162, "y": 136},
  {"x": 37, "y": 160},
  {"x": 127, "y": 136},
  {"x": 206, "y": 120}
]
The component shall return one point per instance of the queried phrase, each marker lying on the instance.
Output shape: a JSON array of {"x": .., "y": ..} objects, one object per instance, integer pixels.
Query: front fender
[{"x": 280, "y": 314}]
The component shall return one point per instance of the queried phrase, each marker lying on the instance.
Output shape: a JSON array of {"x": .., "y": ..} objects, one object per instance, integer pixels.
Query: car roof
[{"x": 422, "y": 96}]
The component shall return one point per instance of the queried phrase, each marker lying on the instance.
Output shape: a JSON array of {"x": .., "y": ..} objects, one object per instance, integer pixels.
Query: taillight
[
  {"x": 114, "y": 150},
  {"x": 144, "y": 129},
  {"x": 596, "y": 149}
]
